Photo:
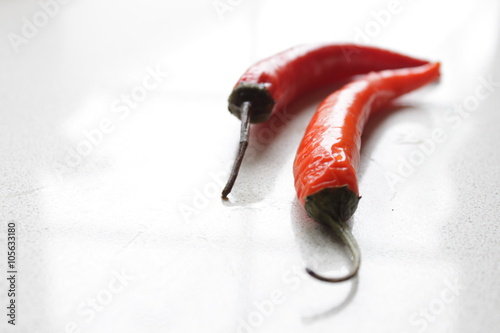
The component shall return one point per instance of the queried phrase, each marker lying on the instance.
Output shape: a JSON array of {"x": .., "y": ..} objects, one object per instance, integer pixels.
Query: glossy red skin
[
  {"x": 329, "y": 154},
  {"x": 301, "y": 69}
]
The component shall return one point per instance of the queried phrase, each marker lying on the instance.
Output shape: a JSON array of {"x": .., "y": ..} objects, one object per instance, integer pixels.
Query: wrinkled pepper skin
[
  {"x": 328, "y": 156},
  {"x": 275, "y": 82}
]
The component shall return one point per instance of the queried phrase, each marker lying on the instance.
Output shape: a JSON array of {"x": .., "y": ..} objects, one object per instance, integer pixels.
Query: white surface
[{"x": 145, "y": 201}]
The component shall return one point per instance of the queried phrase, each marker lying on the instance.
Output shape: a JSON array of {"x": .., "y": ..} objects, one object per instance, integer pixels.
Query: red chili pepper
[
  {"x": 274, "y": 83},
  {"x": 328, "y": 156}
]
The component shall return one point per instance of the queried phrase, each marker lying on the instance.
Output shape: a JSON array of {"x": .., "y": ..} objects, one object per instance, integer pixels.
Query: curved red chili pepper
[
  {"x": 275, "y": 82},
  {"x": 328, "y": 156}
]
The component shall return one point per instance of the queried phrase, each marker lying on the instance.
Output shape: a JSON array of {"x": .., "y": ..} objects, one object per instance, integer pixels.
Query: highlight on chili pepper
[
  {"x": 328, "y": 156},
  {"x": 274, "y": 83}
]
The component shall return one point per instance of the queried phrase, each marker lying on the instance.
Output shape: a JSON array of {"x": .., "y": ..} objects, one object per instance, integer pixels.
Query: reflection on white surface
[{"x": 134, "y": 237}]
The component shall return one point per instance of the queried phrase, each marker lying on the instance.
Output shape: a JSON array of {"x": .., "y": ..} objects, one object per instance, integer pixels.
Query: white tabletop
[{"x": 116, "y": 199}]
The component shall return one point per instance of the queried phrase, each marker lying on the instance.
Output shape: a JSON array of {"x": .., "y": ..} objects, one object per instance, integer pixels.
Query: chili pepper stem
[
  {"x": 244, "y": 135},
  {"x": 351, "y": 243}
]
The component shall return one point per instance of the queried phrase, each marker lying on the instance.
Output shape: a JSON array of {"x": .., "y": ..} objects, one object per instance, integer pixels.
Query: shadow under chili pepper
[
  {"x": 336, "y": 308},
  {"x": 371, "y": 134}
]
